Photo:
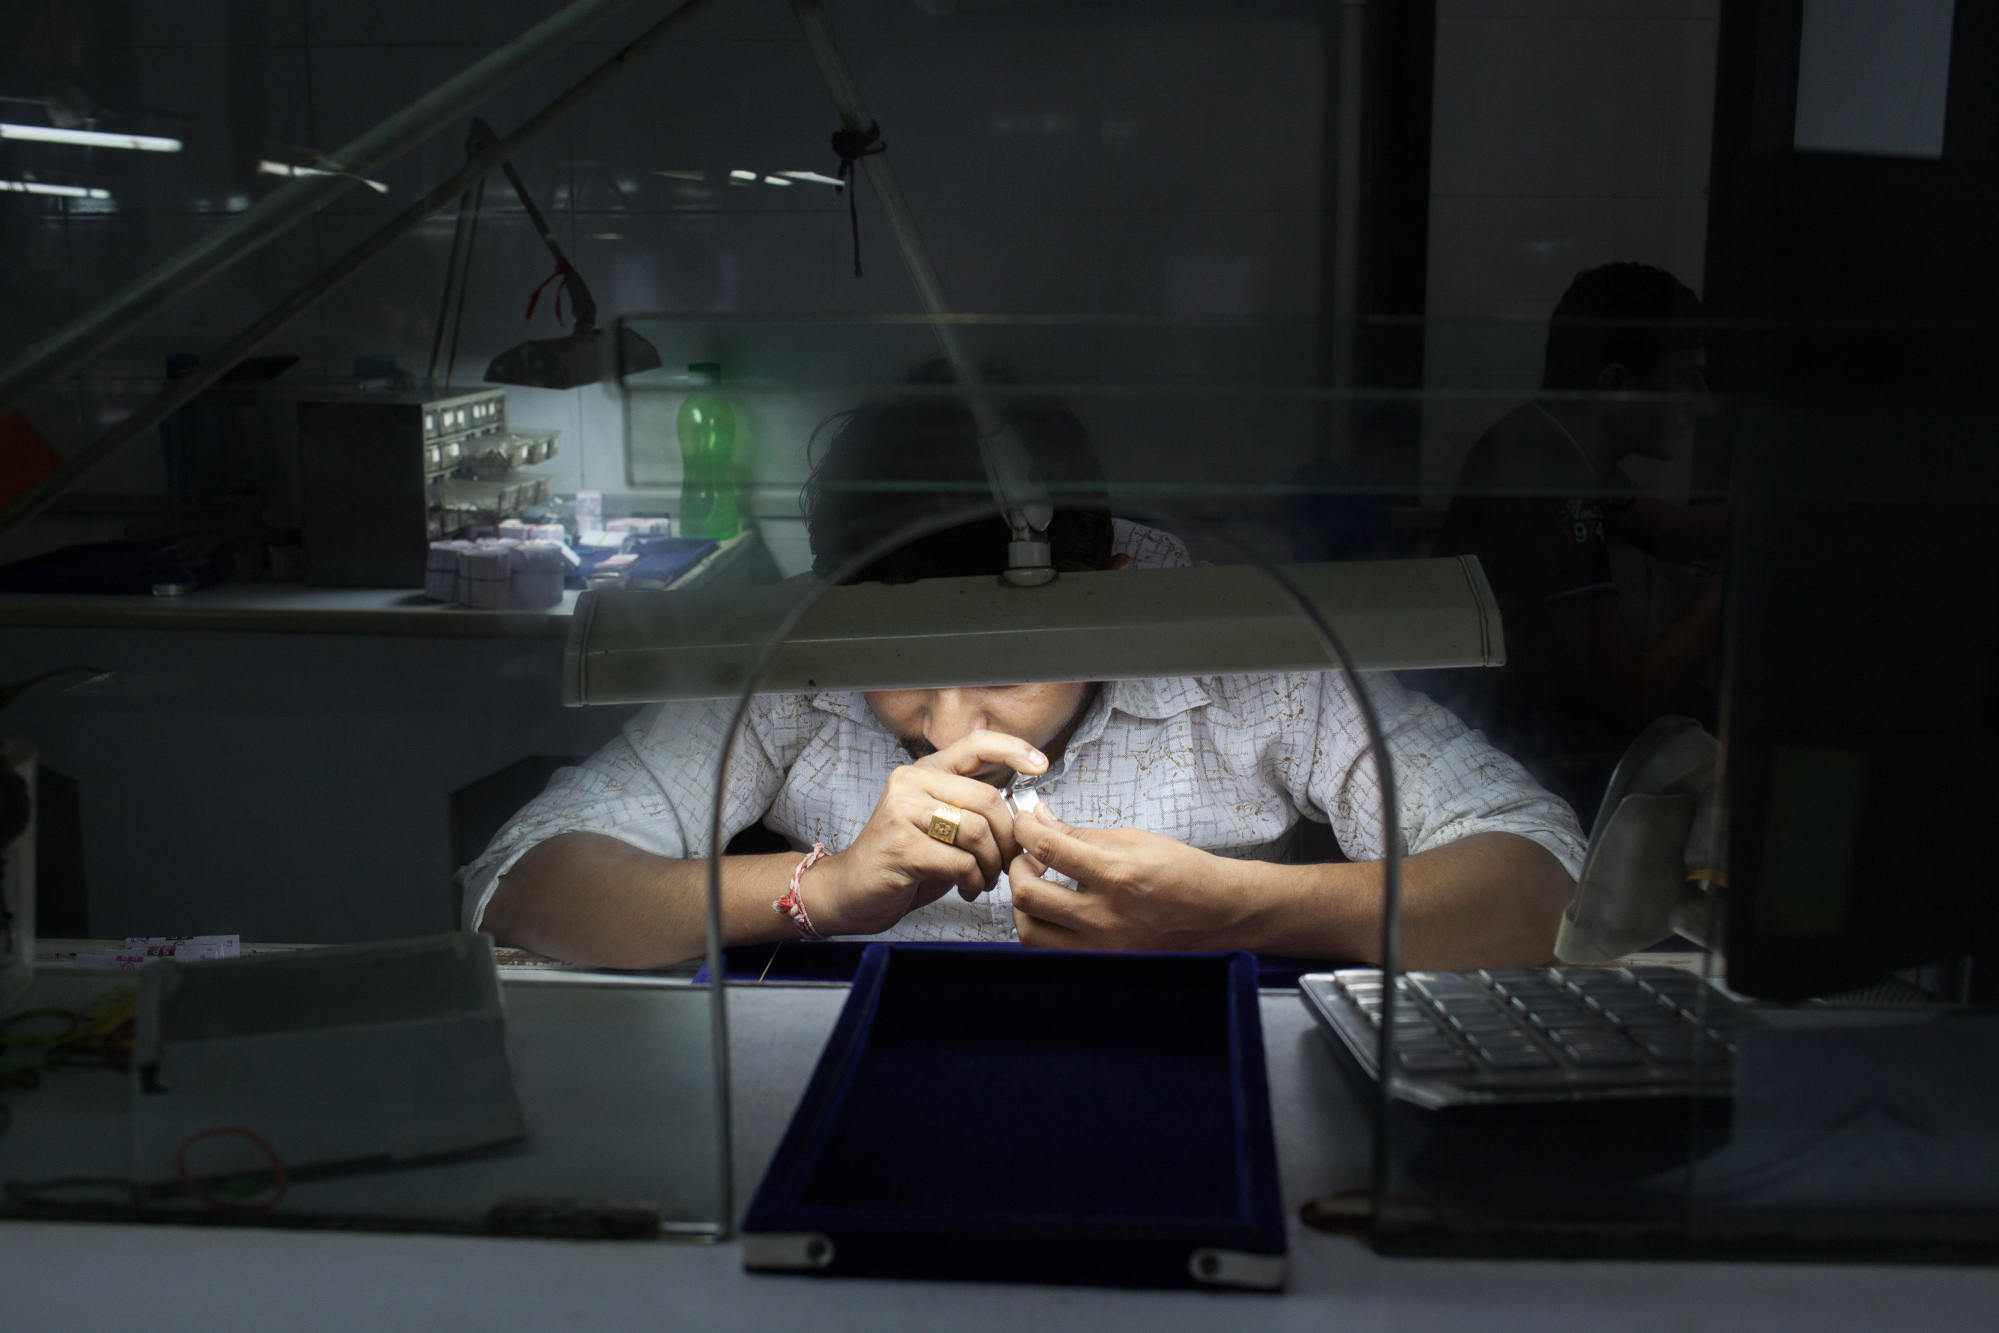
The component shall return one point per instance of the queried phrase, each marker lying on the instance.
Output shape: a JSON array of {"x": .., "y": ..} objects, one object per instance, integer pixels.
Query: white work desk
[{"x": 89, "y": 1276}]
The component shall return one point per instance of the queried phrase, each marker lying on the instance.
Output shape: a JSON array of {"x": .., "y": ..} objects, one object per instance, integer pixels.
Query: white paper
[
  {"x": 226, "y": 946},
  {"x": 138, "y": 950}
]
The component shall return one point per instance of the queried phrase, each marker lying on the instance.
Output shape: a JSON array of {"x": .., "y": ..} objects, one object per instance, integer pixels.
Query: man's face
[
  {"x": 929, "y": 720},
  {"x": 1675, "y": 396}
]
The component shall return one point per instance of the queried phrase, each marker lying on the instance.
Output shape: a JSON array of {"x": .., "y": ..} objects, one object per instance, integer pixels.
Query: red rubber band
[{"x": 280, "y": 1182}]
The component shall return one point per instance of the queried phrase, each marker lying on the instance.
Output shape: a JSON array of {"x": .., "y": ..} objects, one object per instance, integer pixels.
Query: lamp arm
[
  {"x": 1021, "y": 496},
  {"x": 579, "y": 291}
]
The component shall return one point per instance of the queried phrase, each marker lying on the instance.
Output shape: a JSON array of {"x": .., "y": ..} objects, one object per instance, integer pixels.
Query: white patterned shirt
[{"x": 1228, "y": 764}]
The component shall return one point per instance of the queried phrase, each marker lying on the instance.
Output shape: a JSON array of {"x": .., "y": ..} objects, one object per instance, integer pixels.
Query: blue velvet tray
[
  {"x": 838, "y": 960},
  {"x": 994, "y": 1113}
]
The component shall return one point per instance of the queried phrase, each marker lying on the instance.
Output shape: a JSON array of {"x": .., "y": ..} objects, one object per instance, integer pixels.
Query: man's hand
[
  {"x": 1134, "y": 890},
  {"x": 895, "y": 866}
]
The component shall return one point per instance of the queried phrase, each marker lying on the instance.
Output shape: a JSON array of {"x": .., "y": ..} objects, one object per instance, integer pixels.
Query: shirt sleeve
[
  {"x": 653, "y": 786},
  {"x": 1449, "y": 782},
  {"x": 1149, "y": 548}
]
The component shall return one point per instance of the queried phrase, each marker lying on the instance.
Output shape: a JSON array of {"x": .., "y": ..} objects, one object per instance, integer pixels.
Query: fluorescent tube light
[
  {"x": 269, "y": 168},
  {"x": 815, "y": 177},
  {"x": 62, "y": 191},
  {"x": 776, "y": 180},
  {"x": 1391, "y": 615},
  {"x": 741, "y": 177},
  {"x": 145, "y": 143}
]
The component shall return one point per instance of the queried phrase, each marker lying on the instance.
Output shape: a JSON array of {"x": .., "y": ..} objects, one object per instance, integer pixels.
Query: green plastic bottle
[{"x": 709, "y": 505}]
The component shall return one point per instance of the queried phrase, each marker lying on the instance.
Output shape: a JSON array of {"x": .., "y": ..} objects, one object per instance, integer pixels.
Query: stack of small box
[{"x": 499, "y": 573}]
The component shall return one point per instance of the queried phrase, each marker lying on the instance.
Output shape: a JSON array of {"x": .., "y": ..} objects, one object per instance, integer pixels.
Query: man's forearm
[
  {"x": 599, "y": 901},
  {"x": 1666, "y": 664},
  {"x": 1674, "y": 533},
  {"x": 1488, "y": 900}
]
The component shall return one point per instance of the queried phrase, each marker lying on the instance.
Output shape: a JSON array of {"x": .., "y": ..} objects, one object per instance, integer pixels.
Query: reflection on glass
[
  {"x": 1168, "y": 811},
  {"x": 1541, "y": 498}
]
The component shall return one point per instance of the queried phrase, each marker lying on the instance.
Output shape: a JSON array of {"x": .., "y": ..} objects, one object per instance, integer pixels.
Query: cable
[
  {"x": 33, "y": 1194},
  {"x": 852, "y": 146}
]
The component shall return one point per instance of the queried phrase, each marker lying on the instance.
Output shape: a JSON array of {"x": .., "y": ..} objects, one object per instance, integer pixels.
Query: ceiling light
[
  {"x": 683, "y": 175},
  {"x": 269, "y": 168},
  {"x": 816, "y": 178},
  {"x": 145, "y": 143},
  {"x": 776, "y": 180},
  {"x": 743, "y": 177},
  {"x": 63, "y": 191}
]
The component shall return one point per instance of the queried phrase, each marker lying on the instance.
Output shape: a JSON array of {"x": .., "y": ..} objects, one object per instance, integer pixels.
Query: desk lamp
[{"x": 581, "y": 358}]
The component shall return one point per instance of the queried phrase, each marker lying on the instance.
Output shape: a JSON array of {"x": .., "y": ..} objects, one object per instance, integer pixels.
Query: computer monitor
[{"x": 1860, "y": 696}]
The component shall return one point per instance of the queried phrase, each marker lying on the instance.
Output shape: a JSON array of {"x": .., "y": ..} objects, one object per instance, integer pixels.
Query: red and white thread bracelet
[{"x": 792, "y": 905}]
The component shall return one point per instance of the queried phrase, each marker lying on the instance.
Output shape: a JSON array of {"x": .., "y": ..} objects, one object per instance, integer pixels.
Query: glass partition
[
  {"x": 256, "y": 997},
  {"x": 1488, "y": 508},
  {"x": 1681, "y": 1011}
]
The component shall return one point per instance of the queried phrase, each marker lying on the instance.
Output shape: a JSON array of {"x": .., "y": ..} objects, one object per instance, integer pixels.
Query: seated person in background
[
  {"x": 1539, "y": 496},
  {"x": 1176, "y": 797}
]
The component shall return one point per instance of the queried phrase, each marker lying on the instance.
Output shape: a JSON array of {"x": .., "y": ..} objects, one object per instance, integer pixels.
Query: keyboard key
[
  {"x": 1432, "y": 1062},
  {"x": 1671, "y": 976},
  {"x": 1600, "y": 1054},
  {"x": 1439, "y": 985},
  {"x": 1637, "y": 1009},
  {"x": 1598, "y": 981},
  {"x": 1517, "y": 1057},
  {"x": 1488, "y": 1021},
  {"x": 1669, "y": 1045},
  {"x": 1656, "y": 1016},
  {"x": 1519, "y": 990},
  {"x": 1513, "y": 975},
  {"x": 1558, "y": 1016}
]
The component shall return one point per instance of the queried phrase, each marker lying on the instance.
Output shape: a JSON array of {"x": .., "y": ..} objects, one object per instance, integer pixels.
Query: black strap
[{"x": 852, "y": 146}]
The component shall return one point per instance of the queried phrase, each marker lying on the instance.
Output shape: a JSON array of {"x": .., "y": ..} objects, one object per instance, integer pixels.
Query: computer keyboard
[{"x": 1538, "y": 1035}]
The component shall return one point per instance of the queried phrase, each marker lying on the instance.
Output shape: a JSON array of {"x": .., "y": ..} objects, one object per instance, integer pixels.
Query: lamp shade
[
  {"x": 583, "y": 357},
  {"x": 642, "y": 646}
]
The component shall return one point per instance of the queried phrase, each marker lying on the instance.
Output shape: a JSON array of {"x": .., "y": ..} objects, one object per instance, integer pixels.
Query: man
[
  {"x": 1176, "y": 797},
  {"x": 1539, "y": 497}
]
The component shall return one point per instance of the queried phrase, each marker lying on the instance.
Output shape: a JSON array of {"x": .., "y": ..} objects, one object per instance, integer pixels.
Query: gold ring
[{"x": 944, "y": 823}]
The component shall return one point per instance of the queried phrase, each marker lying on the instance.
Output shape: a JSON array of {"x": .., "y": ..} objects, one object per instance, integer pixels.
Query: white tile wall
[{"x": 1061, "y": 159}]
